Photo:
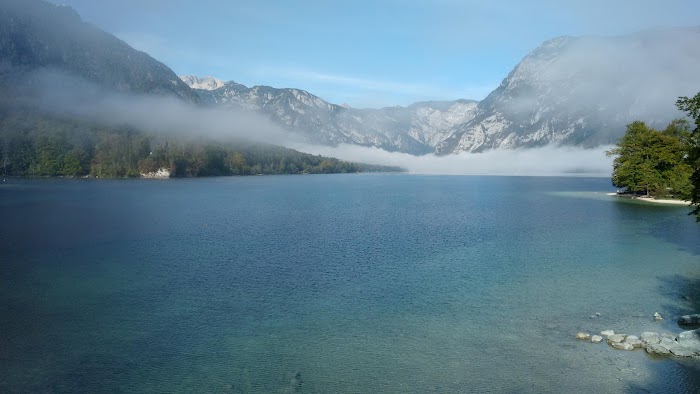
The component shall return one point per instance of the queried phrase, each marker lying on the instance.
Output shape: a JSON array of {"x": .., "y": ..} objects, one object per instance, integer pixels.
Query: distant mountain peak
[{"x": 204, "y": 83}]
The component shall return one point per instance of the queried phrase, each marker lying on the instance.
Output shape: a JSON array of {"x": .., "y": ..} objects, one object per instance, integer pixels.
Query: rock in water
[
  {"x": 622, "y": 345},
  {"x": 607, "y": 333},
  {"x": 296, "y": 383},
  {"x": 634, "y": 341},
  {"x": 617, "y": 338},
  {"x": 655, "y": 348},
  {"x": 650, "y": 338},
  {"x": 596, "y": 339},
  {"x": 689, "y": 320},
  {"x": 583, "y": 335},
  {"x": 657, "y": 316},
  {"x": 683, "y": 352},
  {"x": 668, "y": 336},
  {"x": 690, "y": 339},
  {"x": 668, "y": 344}
]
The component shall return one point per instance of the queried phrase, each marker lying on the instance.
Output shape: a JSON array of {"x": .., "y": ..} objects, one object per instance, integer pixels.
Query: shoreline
[{"x": 652, "y": 199}]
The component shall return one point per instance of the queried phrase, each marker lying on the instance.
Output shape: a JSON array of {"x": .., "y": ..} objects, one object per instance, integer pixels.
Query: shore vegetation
[{"x": 663, "y": 164}]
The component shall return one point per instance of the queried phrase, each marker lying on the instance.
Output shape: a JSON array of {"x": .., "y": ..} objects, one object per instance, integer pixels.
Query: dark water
[{"x": 347, "y": 283}]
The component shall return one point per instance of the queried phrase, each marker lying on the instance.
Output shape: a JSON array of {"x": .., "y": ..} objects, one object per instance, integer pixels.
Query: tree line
[
  {"x": 662, "y": 163},
  {"x": 34, "y": 144}
]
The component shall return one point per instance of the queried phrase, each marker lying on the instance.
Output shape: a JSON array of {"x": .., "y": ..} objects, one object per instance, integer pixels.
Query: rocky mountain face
[
  {"x": 36, "y": 35},
  {"x": 583, "y": 91},
  {"x": 204, "y": 83},
  {"x": 415, "y": 129},
  {"x": 569, "y": 91}
]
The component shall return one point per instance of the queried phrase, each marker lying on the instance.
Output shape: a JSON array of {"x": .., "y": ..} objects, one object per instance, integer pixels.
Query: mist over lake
[{"x": 338, "y": 283}]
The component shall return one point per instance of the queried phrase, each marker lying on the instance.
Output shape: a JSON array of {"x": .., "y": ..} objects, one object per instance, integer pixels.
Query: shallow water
[{"x": 353, "y": 283}]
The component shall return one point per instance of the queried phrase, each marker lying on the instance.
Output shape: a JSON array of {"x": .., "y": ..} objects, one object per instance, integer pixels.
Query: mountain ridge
[
  {"x": 574, "y": 91},
  {"x": 584, "y": 90},
  {"x": 37, "y": 35},
  {"x": 414, "y": 129}
]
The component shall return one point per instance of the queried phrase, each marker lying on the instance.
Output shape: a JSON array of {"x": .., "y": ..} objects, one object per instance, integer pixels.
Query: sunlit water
[{"x": 343, "y": 283}]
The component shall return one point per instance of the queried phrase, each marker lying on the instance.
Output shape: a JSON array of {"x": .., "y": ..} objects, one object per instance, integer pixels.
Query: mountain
[
  {"x": 415, "y": 129},
  {"x": 204, "y": 83},
  {"x": 583, "y": 91},
  {"x": 54, "y": 67},
  {"x": 579, "y": 91},
  {"x": 36, "y": 35}
]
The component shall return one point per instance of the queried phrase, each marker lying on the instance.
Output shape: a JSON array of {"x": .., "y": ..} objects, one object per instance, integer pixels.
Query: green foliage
[
  {"x": 71, "y": 164},
  {"x": 653, "y": 162},
  {"x": 235, "y": 162},
  {"x": 692, "y": 107}
]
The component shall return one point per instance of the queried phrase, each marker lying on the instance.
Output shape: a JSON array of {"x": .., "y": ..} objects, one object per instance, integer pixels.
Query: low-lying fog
[{"x": 58, "y": 93}]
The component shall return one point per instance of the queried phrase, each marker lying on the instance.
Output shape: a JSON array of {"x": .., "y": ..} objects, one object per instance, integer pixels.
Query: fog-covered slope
[
  {"x": 37, "y": 35},
  {"x": 414, "y": 129},
  {"x": 583, "y": 91}
]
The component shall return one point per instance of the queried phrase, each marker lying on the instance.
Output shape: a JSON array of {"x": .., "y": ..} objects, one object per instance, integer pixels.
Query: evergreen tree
[{"x": 652, "y": 162}]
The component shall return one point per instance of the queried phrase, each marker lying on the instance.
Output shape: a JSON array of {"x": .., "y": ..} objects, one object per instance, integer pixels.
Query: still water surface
[{"x": 338, "y": 283}]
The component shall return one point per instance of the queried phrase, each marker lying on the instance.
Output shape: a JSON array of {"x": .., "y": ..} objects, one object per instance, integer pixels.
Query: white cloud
[{"x": 544, "y": 161}]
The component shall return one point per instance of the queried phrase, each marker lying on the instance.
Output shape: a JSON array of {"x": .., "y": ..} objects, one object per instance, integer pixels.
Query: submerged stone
[
  {"x": 689, "y": 319},
  {"x": 657, "y": 316}
]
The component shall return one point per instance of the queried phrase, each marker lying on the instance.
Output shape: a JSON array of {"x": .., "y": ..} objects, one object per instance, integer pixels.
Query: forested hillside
[{"x": 33, "y": 144}]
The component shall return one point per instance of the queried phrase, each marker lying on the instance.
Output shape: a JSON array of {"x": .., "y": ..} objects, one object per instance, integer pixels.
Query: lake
[{"x": 338, "y": 283}]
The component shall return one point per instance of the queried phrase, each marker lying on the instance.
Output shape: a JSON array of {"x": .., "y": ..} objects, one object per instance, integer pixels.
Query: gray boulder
[
  {"x": 621, "y": 345},
  {"x": 656, "y": 348},
  {"x": 681, "y": 351},
  {"x": 668, "y": 336},
  {"x": 607, "y": 333},
  {"x": 650, "y": 338},
  {"x": 690, "y": 339},
  {"x": 596, "y": 339},
  {"x": 668, "y": 343},
  {"x": 617, "y": 338},
  {"x": 634, "y": 341}
]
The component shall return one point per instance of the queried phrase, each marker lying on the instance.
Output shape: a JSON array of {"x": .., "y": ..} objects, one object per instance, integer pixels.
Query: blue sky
[{"x": 367, "y": 53}]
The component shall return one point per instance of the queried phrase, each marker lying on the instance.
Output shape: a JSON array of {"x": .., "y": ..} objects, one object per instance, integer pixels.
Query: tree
[
  {"x": 652, "y": 162},
  {"x": 692, "y": 107},
  {"x": 71, "y": 164},
  {"x": 236, "y": 164}
]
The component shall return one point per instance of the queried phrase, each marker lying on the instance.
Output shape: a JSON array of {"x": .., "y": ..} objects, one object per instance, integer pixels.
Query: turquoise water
[{"x": 338, "y": 283}]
